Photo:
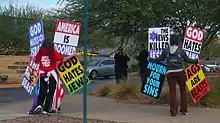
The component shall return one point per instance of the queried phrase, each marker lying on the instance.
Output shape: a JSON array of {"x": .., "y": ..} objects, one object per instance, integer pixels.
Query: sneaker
[
  {"x": 46, "y": 113},
  {"x": 183, "y": 112},
  {"x": 52, "y": 112},
  {"x": 37, "y": 110}
]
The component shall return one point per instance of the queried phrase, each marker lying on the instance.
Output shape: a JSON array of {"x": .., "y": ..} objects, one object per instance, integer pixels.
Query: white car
[{"x": 210, "y": 66}]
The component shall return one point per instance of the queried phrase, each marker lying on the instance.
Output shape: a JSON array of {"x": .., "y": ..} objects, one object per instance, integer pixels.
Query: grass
[{"x": 130, "y": 92}]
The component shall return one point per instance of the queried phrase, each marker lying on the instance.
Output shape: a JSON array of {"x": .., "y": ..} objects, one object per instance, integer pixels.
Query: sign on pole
[
  {"x": 158, "y": 40},
  {"x": 66, "y": 37}
]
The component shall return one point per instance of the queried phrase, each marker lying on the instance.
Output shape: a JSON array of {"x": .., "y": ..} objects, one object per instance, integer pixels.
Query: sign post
[{"x": 85, "y": 61}]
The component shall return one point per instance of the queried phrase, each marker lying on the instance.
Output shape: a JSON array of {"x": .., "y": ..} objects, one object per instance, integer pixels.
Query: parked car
[
  {"x": 101, "y": 68},
  {"x": 210, "y": 66}
]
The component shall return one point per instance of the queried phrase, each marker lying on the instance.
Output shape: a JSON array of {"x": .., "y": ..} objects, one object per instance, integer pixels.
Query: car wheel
[{"x": 93, "y": 74}]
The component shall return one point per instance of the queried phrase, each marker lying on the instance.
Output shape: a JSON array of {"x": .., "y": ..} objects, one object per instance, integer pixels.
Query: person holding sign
[
  {"x": 121, "y": 65},
  {"x": 175, "y": 57},
  {"x": 47, "y": 58}
]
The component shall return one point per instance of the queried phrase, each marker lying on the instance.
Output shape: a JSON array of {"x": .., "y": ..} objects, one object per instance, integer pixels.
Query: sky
[{"x": 45, "y": 4}]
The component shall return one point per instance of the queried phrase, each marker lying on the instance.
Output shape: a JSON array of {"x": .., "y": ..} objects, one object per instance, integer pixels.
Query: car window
[
  {"x": 93, "y": 63},
  {"x": 108, "y": 62}
]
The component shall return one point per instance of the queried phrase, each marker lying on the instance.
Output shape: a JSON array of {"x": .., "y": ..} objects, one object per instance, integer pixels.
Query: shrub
[{"x": 130, "y": 92}]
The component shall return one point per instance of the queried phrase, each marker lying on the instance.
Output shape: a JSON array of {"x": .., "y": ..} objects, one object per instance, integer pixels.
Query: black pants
[
  {"x": 45, "y": 98},
  {"x": 173, "y": 78},
  {"x": 122, "y": 75}
]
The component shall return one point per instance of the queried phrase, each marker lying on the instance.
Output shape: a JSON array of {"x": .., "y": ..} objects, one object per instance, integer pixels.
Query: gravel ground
[{"x": 52, "y": 119}]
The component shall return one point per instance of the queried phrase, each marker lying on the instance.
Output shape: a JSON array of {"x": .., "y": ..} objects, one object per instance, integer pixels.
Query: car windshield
[{"x": 93, "y": 63}]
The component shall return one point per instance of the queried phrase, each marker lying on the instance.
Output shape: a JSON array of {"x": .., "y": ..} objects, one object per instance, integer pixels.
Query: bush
[{"x": 130, "y": 92}]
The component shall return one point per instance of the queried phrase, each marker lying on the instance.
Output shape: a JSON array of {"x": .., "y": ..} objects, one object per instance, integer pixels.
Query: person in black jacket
[
  {"x": 142, "y": 62},
  {"x": 121, "y": 65}
]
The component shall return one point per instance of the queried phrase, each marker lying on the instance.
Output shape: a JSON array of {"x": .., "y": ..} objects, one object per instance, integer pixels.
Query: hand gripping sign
[
  {"x": 71, "y": 73},
  {"x": 66, "y": 37},
  {"x": 196, "y": 82},
  {"x": 193, "y": 42},
  {"x": 156, "y": 73}
]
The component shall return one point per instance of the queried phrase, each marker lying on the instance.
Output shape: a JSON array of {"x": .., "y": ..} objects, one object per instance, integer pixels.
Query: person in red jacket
[{"x": 47, "y": 58}]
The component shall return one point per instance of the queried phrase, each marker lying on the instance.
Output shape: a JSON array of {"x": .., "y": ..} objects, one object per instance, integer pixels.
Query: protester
[
  {"x": 142, "y": 62},
  {"x": 175, "y": 57},
  {"x": 121, "y": 65},
  {"x": 47, "y": 58}
]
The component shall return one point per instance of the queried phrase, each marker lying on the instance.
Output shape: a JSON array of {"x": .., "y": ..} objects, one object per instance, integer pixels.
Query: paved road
[
  {"x": 107, "y": 109},
  {"x": 19, "y": 94}
]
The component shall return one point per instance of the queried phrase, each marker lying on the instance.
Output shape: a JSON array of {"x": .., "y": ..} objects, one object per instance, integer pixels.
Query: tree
[
  {"x": 14, "y": 23},
  {"x": 130, "y": 19}
]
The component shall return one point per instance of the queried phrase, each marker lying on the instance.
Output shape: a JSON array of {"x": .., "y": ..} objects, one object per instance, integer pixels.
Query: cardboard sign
[
  {"x": 196, "y": 82},
  {"x": 30, "y": 76},
  {"x": 193, "y": 42},
  {"x": 156, "y": 73},
  {"x": 158, "y": 40},
  {"x": 71, "y": 73},
  {"x": 36, "y": 35},
  {"x": 66, "y": 37}
]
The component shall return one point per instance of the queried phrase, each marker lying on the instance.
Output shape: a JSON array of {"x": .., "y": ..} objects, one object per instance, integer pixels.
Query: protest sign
[
  {"x": 30, "y": 76},
  {"x": 158, "y": 40},
  {"x": 71, "y": 73},
  {"x": 193, "y": 41},
  {"x": 36, "y": 35},
  {"x": 156, "y": 73},
  {"x": 66, "y": 37},
  {"x": 196, "y": 82}
]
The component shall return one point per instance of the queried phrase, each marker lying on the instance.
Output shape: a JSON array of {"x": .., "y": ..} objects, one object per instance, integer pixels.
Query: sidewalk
[{"x": 107, "y": 109}]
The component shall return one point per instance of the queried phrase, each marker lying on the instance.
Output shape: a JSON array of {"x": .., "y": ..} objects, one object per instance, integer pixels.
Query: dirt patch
[{"x": 52, "y": 119}]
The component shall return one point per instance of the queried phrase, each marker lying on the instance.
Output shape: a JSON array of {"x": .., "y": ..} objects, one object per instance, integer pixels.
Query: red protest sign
[{"x": 196, "y": 82}]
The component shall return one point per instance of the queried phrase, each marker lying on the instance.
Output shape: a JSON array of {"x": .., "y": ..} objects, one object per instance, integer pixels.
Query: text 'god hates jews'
[{"x": 73, "y": 74}]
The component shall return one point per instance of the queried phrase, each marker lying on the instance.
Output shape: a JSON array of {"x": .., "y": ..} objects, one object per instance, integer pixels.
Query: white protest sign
[
  {"x": 66, "y": 37},
  {"x": 158, "y": 40},
  {"x": 192, "y": 43}
]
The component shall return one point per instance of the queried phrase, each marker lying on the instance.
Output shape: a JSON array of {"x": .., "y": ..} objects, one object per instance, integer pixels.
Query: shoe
[
  {"x": 53, "y": 112},
  {"x": 183, "y": 112},
  {"x": 46, "y": 113},
  {"x": 37, "y": 110}
]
